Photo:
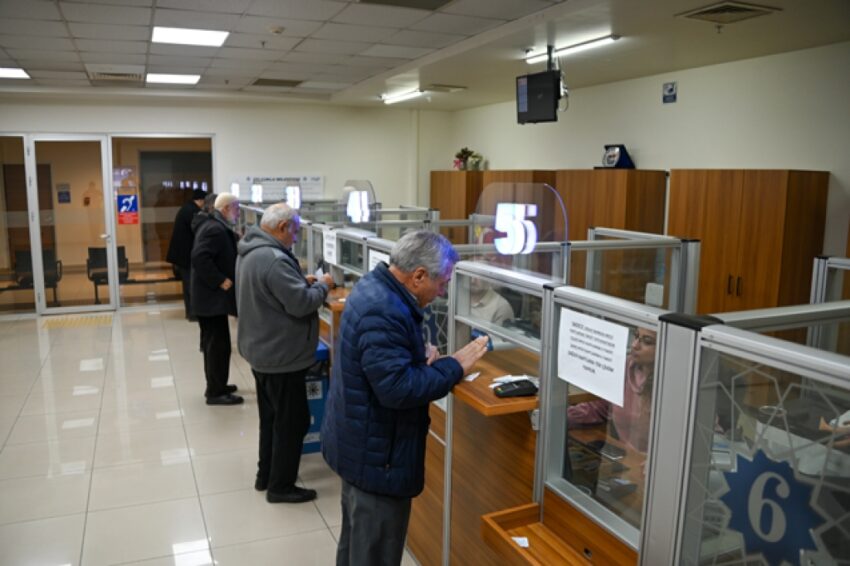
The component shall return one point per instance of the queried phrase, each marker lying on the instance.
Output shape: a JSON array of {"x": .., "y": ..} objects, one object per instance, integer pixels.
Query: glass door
[
  {"x": 16, "y": 278},
  {"x": 71, "y": 202}
]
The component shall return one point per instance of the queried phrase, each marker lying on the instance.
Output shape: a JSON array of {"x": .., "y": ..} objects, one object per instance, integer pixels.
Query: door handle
[
  {"x": 729, "y": 285},
  {"x": 738, "y": 287},
  {"x": 105, "y": 237}
]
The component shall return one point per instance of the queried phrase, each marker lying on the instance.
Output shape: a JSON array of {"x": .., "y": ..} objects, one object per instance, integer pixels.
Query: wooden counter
[
  {"x": 425, "y": 532},
  {"x": 478, "y": 394}
]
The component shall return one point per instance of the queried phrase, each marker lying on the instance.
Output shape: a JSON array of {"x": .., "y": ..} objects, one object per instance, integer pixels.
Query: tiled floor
[{"x": 110, "y": 456}]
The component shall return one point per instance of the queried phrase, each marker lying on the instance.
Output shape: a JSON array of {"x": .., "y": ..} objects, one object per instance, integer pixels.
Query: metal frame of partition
[
  {"x": 826, "y": 274},
  {"x": 554, "y": 422},
  {"x": 520, "y": 282},
  {"x": 681, "y": 343}
]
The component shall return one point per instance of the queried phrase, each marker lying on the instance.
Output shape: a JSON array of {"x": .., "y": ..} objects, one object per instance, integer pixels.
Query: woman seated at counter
[{"x": 629, "y": 423}]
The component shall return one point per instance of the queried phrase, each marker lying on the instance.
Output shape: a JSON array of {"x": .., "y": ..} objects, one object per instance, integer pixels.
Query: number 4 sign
[{"x": 520, "y": 233}]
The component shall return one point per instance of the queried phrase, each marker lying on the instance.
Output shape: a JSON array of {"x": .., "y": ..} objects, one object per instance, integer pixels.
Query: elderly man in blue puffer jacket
[{"x": 384, "y": 376}]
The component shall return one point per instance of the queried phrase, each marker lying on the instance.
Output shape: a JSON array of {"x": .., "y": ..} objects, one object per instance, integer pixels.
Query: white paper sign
[
  {"x": 376, "y": 257},
  {"x": 592, "y": 355},
  {"x": 274, "y": 186},
  {"x": 329, "y": 245}
]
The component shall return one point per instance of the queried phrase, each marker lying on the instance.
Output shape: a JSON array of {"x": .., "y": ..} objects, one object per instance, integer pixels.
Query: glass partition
[
  {"x": 769, "y": 474},
  {"x": 600, "y": 376},
  {"x": 831, "y": 282},
  {"x": 17, "y": 294}
]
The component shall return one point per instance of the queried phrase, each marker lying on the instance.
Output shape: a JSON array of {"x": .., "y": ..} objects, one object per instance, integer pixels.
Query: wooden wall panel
[{"x": 455, "y": 194}]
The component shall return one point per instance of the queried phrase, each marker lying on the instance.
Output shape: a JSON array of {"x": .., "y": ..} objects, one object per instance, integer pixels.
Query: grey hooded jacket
[{"x": 278, "y": 309}]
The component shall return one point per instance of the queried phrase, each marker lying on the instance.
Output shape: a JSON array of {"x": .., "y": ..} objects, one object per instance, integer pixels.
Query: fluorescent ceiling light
[
  {"x": 570, "y": 49},
  {"x": 186, "y": 36},
  {"x": 13, "y": 73},
  {"x": 173, "y": 79},
  {"x": 393, "y": 98}
]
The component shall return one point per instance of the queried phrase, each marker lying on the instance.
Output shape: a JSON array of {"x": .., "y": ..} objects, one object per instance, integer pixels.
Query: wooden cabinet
[
  {"x": 425, "y": 531},
  {"x": 760, "y": 231},
  {"x": 455, "y": 194}
]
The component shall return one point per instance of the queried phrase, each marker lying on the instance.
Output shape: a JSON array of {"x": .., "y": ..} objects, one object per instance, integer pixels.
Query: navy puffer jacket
[{"x": 376, "y": 420}]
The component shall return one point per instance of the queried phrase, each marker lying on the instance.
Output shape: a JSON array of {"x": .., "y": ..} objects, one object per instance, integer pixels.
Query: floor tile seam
[
  {"x": 137, "y": 463},
  {"x": 26, "y": 398},
  {"x": 47, "y": 440},
  {"x": 45, "y": 476},
  {"x": 266, "y": 539},
  {"x": 45, "y": 518},
  {"x": 142, "y": 504},
  {"x": 165, "y": 427},
  {"x": 162, "y": 557}
]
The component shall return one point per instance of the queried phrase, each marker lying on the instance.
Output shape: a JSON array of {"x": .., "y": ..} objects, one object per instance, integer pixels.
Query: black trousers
[
  {"x": 284, "y": 420},
  {"x": 186, "y": 275},
  {"x": 215, "y": 342},
  {"x": 373, "y": 528}
]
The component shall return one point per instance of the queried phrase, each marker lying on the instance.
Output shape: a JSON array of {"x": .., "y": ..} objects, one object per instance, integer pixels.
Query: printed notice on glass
[
  {"x": 329, "y": 241},
  {"x": 592, "y": 355},
  {"x": 376, "y": 257}
]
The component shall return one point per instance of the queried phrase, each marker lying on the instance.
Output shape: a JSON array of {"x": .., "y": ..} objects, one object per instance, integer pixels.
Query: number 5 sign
[{"x": 520, "y": 233}]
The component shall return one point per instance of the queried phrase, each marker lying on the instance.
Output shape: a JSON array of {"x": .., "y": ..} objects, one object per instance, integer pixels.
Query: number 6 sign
[{"x": 520, "y": 234}]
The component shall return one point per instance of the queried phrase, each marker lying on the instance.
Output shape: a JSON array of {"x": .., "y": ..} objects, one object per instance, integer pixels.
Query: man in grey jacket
[{"x": 278, "y": 333}]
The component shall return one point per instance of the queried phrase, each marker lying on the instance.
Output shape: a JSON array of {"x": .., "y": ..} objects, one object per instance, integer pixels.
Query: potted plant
[{"x": 466, "y": 159}]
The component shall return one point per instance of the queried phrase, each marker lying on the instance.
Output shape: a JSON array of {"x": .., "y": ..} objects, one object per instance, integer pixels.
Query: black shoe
[
  {"x": 261, "y": 484},
  {"x": 226, "y": 399},
  {"x": 294, "y": 495},
  {"x": 230, "y": 388}
]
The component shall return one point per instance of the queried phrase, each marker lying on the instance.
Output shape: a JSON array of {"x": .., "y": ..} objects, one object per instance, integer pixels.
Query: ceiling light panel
[
  {"x": 225, "y": 6},
  {"x": 288, "y": 27},
  {"x": 318, "y": 10},
  {"x": 502, "y": 9},
  {"x": 100, "y": 31},
  {"x": 384, "y": 16},
  {"x": 400, "y": 51},
  {"x": 13, "y": 73},
  {"x": 351, "y": 32},
  {"x": 194, "y": 20},
  {"x": 32, "y": 27},
  {"x": 172, "y": 79},
  {"x": 188, "y": 36},
  {"x": 105, "y": 14},
  {"x": 452, "y": 23}
]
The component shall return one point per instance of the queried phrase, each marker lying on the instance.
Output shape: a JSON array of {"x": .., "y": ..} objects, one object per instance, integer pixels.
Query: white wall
[
  {"x": 783, "y": 111},
  {"x": 254, "y": 138}
]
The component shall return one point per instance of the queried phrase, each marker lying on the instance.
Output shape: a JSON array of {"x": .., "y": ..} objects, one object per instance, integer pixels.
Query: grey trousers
[{"x": 373, "y": 528}]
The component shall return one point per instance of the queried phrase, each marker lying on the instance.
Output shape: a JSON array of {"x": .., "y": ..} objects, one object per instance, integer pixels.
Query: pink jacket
[{"x": 631, "y": 421}]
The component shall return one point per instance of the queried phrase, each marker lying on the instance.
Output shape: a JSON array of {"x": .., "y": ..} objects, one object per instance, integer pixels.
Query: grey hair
[
  {"x": 277, "y": 213},
  {"x": 224, "y": 199},
  {"x": 422, "y": 248}
]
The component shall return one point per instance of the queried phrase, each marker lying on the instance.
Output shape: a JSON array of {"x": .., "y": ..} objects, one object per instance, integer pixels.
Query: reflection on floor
[
  {"x": 75, "y": 289},
  {"x": 110, "y": 455}
]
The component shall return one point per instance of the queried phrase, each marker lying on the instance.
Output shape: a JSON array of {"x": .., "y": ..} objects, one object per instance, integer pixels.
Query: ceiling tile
[
  {"x": 320, "y": 58},
  {"x": 322, "y": 86},
  {"x": 65, "y": 75},
  {"x": 282, "y": 75},
  {"x": 351, "y": 73},
  {"x": 233, "y": 82},
  {"x": 104, "y": 14},
  {"x": 112, "y": 46},
  {"x": 255, "y": 41},
  {"x": 42, "y": 54},
  {"x": 63, "y": 83},
  {"x": 256, "y": 66},
  {"x": 349, "y": 32},
  {"x": 233, "y": 72},
  {"x": 319, "y": 10},
  {"x": 32, "y": 27},
  {"x": 424, "y": 39},
  {"x": 195, "y": 20},
  {"x": 301, "y": 69},
  {"x": 175, "y": 69},
  {"x": 30, "y": 10},
  {"x": 330, "y": 46},
  {"x": 451, "y": 23},
  {"x": 30, "y": 42},
  {"x": 503, "y": 9},
  {"x": 226, "y": 6},
  {"x": 183, "y": 50},
  {"x": 249, "y": 54},
  {"x": 50, "y": 65},
  {"x": 375, "y": 62},
  {"x": 138, "y": 3},
  {"x": 398, "y": 51},
  {"x": 289, "y": 28},
  {"x": 200, "y": 62},
  {"x": 386, "y": 16},
  {"x": 112, "y": 58},
  {"x": 100, "y": 31}
]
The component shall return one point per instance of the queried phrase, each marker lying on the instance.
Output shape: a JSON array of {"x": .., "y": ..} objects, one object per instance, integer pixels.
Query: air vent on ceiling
[
  {"x": 115, "y": 75},
  {"x": 419, "y": 4},
  {"x": 276, "y": 82},
  {"x": 724, "y": 13}
]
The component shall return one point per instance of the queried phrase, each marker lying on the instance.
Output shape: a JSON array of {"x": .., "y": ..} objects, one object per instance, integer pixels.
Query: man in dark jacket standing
[
  {"x": 384, "y": 376},
  {"x": 213, "y": 297},
  {"x": 180, "y": 247},
  {"x": 278, "y": 334}
]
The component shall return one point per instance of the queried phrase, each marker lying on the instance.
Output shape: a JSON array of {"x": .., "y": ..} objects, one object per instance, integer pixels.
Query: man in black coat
[
  {"x": 213, "y": 295},
  {"x": 180, "y": 246}
]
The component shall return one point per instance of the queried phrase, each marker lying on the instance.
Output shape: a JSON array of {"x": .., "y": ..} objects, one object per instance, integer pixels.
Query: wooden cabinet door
[
  {"x": 705, "y": 204},
  {"x": 455, "y": 194},
  {"x": 760, "y": 240}
]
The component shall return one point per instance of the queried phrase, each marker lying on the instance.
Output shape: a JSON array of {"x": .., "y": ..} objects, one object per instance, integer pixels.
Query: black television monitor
[{"x": 537, "y": 97}]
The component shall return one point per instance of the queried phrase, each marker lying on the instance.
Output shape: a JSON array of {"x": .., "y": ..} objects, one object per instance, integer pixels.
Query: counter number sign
[
  {"x": 520, "y": 233},
  {"x": 358, "y": 206}
]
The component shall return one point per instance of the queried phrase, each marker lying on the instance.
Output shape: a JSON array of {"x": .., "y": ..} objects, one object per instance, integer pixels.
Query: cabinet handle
[
  {"x": 729, "y": 285},
  {"x": 738, "y": 287}
]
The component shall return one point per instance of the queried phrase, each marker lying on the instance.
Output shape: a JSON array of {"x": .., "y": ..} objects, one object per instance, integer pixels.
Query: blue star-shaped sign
[{"x": 771, "y": 508}]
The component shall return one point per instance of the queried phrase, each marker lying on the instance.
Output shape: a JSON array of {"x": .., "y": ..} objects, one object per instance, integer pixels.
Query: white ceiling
[{"x": 349, "y": 52}]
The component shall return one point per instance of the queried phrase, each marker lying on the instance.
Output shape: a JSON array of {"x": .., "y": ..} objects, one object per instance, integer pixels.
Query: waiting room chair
[
  {"x": 52, "y": 271},
  {"x": 97, "y": 272}
]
